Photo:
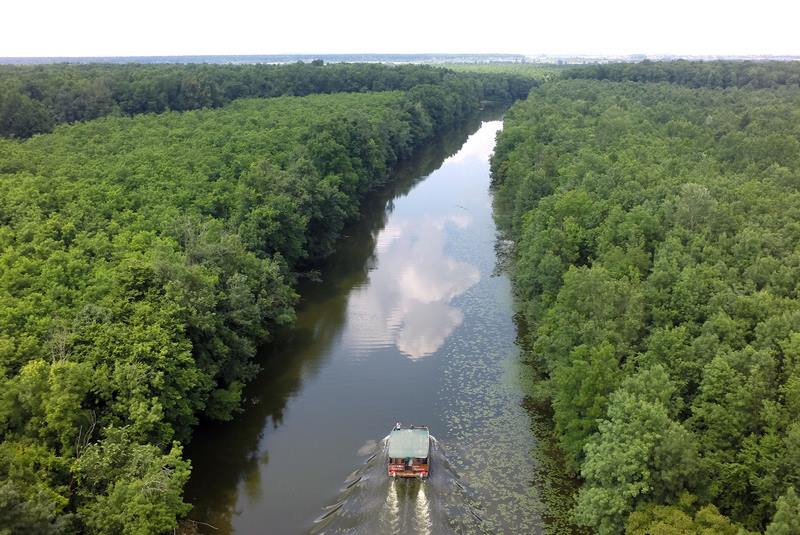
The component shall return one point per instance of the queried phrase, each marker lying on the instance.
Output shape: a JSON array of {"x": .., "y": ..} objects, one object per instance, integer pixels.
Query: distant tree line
[
  {"x": 35, "y": 98},
  {"x": 144, "y": 258},
  {"x": 718, "y": 74},
  {"x": 657, "y": 264}
]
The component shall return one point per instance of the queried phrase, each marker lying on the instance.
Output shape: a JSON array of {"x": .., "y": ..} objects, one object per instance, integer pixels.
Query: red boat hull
[{"x": 401, "y": 470}]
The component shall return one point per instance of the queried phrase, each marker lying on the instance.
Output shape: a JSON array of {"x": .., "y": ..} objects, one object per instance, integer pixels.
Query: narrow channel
[{"x": 411, "y": 322}]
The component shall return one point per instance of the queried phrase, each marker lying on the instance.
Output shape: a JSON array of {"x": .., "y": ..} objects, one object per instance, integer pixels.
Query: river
[{"x": 411, "y": 322}]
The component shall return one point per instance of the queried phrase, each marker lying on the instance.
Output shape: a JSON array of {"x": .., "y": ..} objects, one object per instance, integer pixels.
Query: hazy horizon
[{"x": 397, "y": 59}]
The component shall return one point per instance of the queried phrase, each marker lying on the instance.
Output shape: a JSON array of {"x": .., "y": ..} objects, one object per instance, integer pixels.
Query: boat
[{"x": 408, "y": 452}]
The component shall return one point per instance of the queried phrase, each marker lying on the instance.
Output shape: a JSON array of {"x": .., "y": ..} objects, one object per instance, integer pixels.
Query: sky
[{"x": 618, "y": 27}]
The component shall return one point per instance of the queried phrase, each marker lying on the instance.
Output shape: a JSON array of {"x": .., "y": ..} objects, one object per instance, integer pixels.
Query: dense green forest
[
  {"x": 34, "y": 98},
  {"x": 657, "y": 264},
  {"x": 142, "y": 259}
]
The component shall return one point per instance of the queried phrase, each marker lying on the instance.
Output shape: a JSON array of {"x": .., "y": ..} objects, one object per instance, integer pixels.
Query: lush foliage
[
  {"x": 35, "y": 98},
  {"x": 657, "y": 263},
  {"x": 144, "y": 258}
]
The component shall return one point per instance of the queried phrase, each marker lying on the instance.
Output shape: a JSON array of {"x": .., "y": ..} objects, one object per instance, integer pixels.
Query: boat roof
[{"x": 409, "y": 443}]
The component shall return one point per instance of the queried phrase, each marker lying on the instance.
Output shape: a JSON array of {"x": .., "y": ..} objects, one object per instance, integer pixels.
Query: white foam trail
[{"x": 423, "y": 512}]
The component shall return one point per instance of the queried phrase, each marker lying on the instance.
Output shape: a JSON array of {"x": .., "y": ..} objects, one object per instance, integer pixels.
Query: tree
[
  {"x": 36, "y": 513},
  {"x": 638, "y": 454},
  {"x": 680, "y": 519},
  {"x": 127, "y": 488},
  {"x": 787, "y": 515},
  {"x": 581, "y": 391},
  {"x": 21, "y": 116}
]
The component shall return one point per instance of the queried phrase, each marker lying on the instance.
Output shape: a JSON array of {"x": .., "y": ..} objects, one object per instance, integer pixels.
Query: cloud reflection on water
[{"x": 407, "y": 301}]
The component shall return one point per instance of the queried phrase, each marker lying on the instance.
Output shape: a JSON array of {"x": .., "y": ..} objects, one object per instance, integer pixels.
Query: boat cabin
[{"x": 409, "y": 452}]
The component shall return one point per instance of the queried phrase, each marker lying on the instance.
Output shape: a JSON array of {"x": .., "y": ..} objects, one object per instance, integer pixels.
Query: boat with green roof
[{"x": 408, "y": 451}]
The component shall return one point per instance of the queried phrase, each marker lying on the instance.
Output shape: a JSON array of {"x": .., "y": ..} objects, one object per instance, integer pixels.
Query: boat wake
[{"x": 370, "y": 502}]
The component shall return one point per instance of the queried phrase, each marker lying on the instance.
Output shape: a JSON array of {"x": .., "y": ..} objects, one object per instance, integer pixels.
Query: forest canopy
[{"x": 658, "y": 267}]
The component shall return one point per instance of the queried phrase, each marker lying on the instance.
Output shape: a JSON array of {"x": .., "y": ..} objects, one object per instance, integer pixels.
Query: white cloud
[{"x": 407, "y": 301}]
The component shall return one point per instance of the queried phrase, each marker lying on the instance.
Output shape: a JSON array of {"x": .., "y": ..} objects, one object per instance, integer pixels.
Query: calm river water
[{"x": 413, "y": 323}]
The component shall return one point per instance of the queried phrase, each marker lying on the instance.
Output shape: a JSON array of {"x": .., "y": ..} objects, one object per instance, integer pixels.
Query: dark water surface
[{"x": 410, "y": 323}]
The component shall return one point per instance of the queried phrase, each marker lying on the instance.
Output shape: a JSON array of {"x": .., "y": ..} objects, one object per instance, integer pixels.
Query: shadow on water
[
  {"x": 370, "y": 502},
  {"x": 227, "y": 457}
]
